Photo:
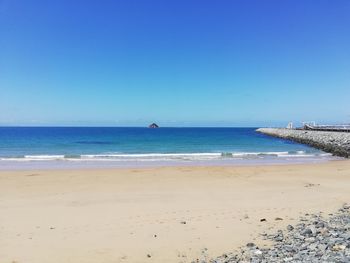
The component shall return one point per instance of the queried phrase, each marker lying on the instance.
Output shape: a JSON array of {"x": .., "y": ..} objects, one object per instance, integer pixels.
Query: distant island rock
[{"x": 153, "y": 126}]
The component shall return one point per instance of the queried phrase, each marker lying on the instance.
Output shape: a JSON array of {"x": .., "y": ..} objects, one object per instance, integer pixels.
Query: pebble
[
  {"x": 250, "y": 245},
  {"x": 290, "y": 227},
  {"x": 338, "y": 247}
]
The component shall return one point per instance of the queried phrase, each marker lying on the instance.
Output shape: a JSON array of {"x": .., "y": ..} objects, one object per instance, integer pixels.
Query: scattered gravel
[
  {"x": 314, "y": 239},
  {"x": 337, "y": 143}
]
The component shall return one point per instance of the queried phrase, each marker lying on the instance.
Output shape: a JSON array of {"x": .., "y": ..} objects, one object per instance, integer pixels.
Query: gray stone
[
  {"x": 309, "y": 231},
  {"x": 251, "y": 245}
]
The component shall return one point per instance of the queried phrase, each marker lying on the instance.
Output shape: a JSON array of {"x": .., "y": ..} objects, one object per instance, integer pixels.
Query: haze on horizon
[{"x": 177, "y": 63}]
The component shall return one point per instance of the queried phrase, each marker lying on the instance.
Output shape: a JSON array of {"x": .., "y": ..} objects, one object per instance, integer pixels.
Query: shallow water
[{"x": 115, "y": 147}]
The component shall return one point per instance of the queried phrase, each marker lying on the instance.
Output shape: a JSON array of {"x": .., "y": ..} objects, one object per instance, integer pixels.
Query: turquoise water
[{"x": 145, "y": 145}]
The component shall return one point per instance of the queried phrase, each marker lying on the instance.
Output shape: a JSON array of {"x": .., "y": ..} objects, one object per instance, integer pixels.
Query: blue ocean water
[{"x": 144, "y": 144}]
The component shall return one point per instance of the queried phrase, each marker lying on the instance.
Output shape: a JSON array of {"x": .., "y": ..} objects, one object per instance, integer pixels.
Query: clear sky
[{"x": 177, "y": 63}]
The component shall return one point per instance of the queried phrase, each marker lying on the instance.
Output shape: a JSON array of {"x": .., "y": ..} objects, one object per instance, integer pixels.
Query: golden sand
[{"x": 157, "y": 214}]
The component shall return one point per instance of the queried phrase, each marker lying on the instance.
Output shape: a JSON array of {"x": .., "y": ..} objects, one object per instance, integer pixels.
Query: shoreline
[
  {"x": 18, "y": 165},
  {"x": 172, "y": 214},
  {"x": 109, "y": 165},
  {"x": 173, "y": 166}
]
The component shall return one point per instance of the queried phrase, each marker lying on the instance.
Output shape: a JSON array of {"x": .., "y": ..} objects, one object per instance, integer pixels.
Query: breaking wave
[{"x": 167, "y": 156}]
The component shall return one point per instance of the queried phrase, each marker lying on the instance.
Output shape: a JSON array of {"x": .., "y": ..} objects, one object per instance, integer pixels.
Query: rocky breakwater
[{"x": 337, "y": 143}]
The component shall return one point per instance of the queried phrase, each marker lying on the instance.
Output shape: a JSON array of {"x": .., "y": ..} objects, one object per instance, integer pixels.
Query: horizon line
[{"x": 68, "y": 126}]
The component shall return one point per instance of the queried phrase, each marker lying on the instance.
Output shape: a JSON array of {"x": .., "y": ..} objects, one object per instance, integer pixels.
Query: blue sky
[{"x": 178, "y": 63}]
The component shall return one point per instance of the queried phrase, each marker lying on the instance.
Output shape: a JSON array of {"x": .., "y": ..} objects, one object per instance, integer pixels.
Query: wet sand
[{"x": 170, "y": 214}]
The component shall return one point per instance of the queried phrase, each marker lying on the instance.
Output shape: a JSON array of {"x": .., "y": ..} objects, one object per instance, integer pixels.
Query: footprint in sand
[
  {"x": 311, "y": 185},
  {"x": 32, "y": 174}
]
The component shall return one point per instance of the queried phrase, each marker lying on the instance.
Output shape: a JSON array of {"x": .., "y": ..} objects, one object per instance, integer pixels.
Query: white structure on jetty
[{"x": 290, "y": 125}]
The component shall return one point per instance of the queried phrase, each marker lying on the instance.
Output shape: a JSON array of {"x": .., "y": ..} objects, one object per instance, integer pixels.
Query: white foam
[
  {"x": 169, "y": 156},
  {"x": 149, "y": 155},
  {"x": 44, "y": 157},
  {"x": 152, "y": 156}
]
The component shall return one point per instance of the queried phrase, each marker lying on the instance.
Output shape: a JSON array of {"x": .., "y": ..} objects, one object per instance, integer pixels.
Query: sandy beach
[{"x": 170, "y": 214}]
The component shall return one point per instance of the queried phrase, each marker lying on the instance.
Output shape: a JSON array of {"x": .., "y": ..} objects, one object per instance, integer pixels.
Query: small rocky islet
[
  {"x": 314, "y": 239},
  {"x": 153, "y": 126}
]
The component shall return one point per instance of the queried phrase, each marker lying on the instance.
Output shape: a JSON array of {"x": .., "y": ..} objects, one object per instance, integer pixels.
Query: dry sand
[{"x": 171, "y": 214}]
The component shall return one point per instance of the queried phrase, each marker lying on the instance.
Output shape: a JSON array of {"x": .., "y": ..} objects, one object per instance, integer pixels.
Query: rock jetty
[
  {"x": 314, "y": 239},
  {"x": 337, "y": 143}
]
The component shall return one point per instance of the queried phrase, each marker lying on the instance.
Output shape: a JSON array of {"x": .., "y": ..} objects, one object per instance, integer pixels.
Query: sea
[{"x": 98, "y": 147}]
